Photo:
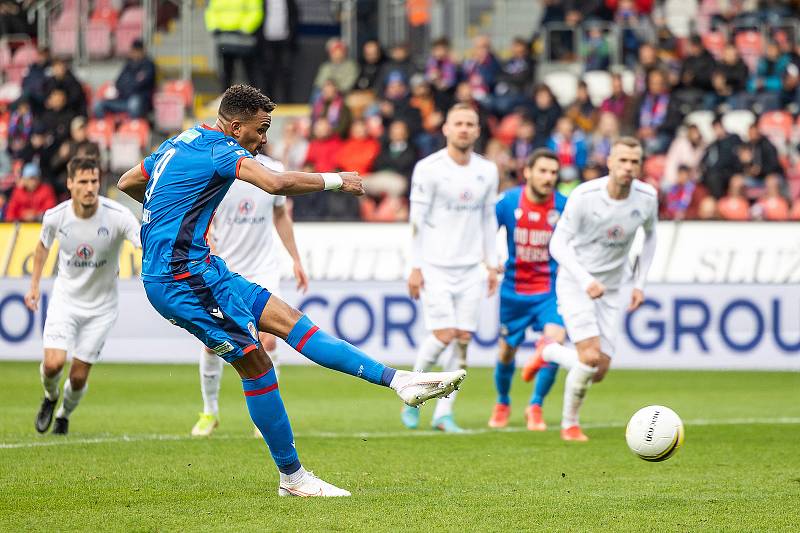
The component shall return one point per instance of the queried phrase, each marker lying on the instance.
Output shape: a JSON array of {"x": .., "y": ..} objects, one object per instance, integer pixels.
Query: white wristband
[{"x": 332, "y": 180}]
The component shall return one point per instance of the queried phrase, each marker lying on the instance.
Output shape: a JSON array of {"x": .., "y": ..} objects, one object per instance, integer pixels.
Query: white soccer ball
[{"x": 654, "y": 433}]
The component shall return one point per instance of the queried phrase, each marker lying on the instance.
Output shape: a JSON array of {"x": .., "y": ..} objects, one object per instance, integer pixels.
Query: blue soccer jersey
[{"x": 188, "y": 177}]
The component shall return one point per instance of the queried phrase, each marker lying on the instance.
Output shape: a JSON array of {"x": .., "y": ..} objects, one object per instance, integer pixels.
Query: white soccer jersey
[
  {"x": 457, "y": 223},
  {"x": 242, "y": 231},
  {"x": 601, "y": 230},
  {"x": 88, "y": 255}
]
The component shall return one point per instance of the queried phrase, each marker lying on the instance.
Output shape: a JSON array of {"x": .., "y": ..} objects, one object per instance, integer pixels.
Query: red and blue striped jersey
[
  {"x": 529, "y": 226},
  {"x": 188, "y": 178}
]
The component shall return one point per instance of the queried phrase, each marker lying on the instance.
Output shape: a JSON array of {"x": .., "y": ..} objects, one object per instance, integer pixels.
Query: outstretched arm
[{"x": 294, "y": 183}]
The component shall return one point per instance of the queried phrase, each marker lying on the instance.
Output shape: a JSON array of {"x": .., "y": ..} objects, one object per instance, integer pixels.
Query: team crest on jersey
[
  {"x": 84, "y": 252},
  {"x": 552, "y": 216},
  {"x": 102, "y": 231},
  {"x": 517, "y": 213},
  {"x": 246, "y": 206},
  {"x": 534, "y": 216},
  {"x": 481, "y": 178},
  {"x": 465, "y": 196},
  {"x": 252, "y": 329},
  {"x": 616, "y": 233},
  {"x": 636, "y": 214}
]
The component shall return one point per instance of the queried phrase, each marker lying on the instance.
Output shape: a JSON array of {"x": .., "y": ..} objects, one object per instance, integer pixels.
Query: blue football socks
[
  {"x": 336, "y": 354},
  {"x": 503, "y": 374},
  {"x": 269, "y": 415},
  {"x": 544, "y": 382}
]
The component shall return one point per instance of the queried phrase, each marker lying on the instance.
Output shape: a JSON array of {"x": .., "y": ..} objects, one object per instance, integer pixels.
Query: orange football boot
[
  {"x": 500, "y": 415},
  {"x": 535, "y": 419},
  {"x": 573, "y": 433}
]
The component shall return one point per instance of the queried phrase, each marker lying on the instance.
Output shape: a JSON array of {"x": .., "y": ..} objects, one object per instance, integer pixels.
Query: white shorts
[
  {"x": 80, "y": 332},
  {"x": 451, "y": 297},
  {"x": 586, "y": 318}
]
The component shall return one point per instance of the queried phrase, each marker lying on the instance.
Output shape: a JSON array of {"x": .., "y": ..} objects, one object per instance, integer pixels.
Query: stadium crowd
[{"x": 381, "y": 113}]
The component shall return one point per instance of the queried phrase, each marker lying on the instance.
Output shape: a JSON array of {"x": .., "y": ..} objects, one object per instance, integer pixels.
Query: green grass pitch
[{"x": 129, "y": 465}]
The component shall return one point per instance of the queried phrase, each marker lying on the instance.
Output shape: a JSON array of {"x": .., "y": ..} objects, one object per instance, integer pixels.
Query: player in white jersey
[
  {"x": 454, "y": 226},
  {"x": 591, "y": 243},
  {"x": 90, "y": 230},
  {"x": 242, "y": 235}
]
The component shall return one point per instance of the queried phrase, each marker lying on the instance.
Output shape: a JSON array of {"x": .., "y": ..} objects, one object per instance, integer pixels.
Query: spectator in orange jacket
[
  {"x": 359, "y": 151},
  {"x": 31, "y": 198}
]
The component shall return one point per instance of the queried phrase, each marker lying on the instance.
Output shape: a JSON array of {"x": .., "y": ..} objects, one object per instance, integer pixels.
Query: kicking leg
[
  {"x": 287, "y": 323},
  {"x": 74, "y": 389},
  {"x": 443, "y": 414},
  {"x": 269, "y": 415},
  {"x": 50, "y": 373},
  {"x": 211, "y": 366},
  {"x": 503, "y": 375},
  {"x": 428, "y": 355}
]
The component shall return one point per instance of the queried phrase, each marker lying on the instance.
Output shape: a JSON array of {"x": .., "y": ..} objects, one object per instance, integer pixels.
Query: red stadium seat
[
  {"x": 137, "y": 129},
  {"x": 129, "y": 29},
  {"x": 64, "y": 34},
  {"x": 715, "y": 43},
  {"x": 169, "y": 111},
  {"x": 653, "y": 169},
  {"x": 22, "y": 58},
  {"x": 507, "y": 129},
  {"x": 751, "y": 46},
  {"x": 5, "y": 55},
  {"x": 777, "y": 127},
  {"x": 106, "y": 14},
  {"x": 184, "y": 88},
  {"x": 98, "y": 38},
  {"x": 100, "y": 131}
]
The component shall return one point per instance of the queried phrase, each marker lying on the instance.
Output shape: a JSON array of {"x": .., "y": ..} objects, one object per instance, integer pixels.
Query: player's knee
[
  {"x": 590, "y": 356},
  {"x": 507, "y": 354},
  {"x": 51, "y": 368},
  {"x": 268, "y": 342},
  {"x": 463, "y": 336},
  {"x": 445, "y": 336},
  {"x": 77, "y": 380}
]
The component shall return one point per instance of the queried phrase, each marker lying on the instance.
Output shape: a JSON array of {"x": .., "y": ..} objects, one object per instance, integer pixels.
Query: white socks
[
  {"x": 557, "y": 353},
  {"x": 49, "y": 384},
  {"x": 578, "y": 380},
  {"x": 210, "y": 377},
  {"x": 71, "y": 399},
  {"x": 444, "y": 406},
  {"x": 429, "y": 352},
  {"x": 292, "y": 479}
]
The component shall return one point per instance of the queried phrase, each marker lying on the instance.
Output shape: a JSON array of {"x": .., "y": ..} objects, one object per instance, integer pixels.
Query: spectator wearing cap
[
  {"x": 339, "y": 68},
  {"x": 683, "y": 196},
  {"x": 31, "y": 197},
  {"x": 773, "y": 204},
  {"x": 62, "y": 78},
  {"x": 134, "y": 86},
  {"x": 330, "y": 104},
  {"x": 719, "y": 160},
  {"x": 686, "y": 150},
  {"x": 766, "y": 85},
  {"x": 514, "y": 79},
  {"x": 481, "y": 68},
  {"x": 33, "y": 84},
  {"x": 370, "y": 65}
]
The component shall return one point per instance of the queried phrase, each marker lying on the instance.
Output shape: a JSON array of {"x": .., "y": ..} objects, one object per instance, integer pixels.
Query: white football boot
[
  {"x": 416, "y": 388},
  {"x": 309, "y": 486}
]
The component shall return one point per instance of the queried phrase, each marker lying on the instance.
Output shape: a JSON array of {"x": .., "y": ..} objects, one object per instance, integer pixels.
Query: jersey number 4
[{"x": 160, "y": 166}]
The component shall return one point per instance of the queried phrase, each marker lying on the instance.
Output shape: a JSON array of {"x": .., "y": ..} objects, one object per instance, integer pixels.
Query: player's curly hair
[{"x": 243, "y": 101}]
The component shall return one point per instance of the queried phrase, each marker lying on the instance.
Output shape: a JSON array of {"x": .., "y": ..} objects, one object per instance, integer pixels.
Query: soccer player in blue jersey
[
  {"x": 527, "y": 295},
  {"x": 180, "y": 185}
]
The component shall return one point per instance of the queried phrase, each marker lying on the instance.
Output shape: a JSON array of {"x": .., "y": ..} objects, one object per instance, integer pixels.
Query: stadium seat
[
  {"x": 628, "y": 81},
  {"x": 715, "y": 43},
  {"x": 98, "y": 39},
  {"x": 653, "y": 169},
  {"x": 564, "y": 85},
  {"x": 105, "y": 13},
  {"x": 137, "y": 129},
  {"x": 169, "y": 111},
  {"x": 599, "y": 85},
  {"x": 777, "y": 127},
  {"x": 5, "y": 55},
  {"x": 184, "y": 88},
  {"x": 21, "y": 59},
  {"x": 751, "y": 46},
  {"x": 738, "y": 122},
  {"x": 125, "y": 153},
  {"x": 64, "y": 34},
  {"x": 100, "y": 131},
  {"x": 129, "y": 29},
  {"x": 507, "y": 129},
  {"x": 10, "y": 92},
  {"x": 702, "y": 119}
]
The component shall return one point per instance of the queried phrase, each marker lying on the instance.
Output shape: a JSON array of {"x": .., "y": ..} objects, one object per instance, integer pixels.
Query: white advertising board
[{"x": 688, "y": 326}]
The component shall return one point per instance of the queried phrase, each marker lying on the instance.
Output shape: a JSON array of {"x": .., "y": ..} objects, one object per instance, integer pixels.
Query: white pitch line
[{"x": 65, "y": 441}]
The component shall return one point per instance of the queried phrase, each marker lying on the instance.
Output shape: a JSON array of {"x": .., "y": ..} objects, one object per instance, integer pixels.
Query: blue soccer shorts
[
  {"x": 217, "y": 306},
  {"x": 521, "y": 311}
]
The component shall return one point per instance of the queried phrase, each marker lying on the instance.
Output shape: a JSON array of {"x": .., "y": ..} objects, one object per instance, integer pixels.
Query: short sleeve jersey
[
  {"x": 242, "y": 230},
  {"x": 455, "y": 199},
  {"x": 529, "y": 269},
  {"x": 188, "y": 178},
  {"x": 88, "y": 253}
]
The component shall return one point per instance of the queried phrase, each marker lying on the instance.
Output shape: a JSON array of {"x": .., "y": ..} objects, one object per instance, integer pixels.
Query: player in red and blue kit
[
  {"x": 527, "y": 296},
  {"x": 180, "y": 186}
]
